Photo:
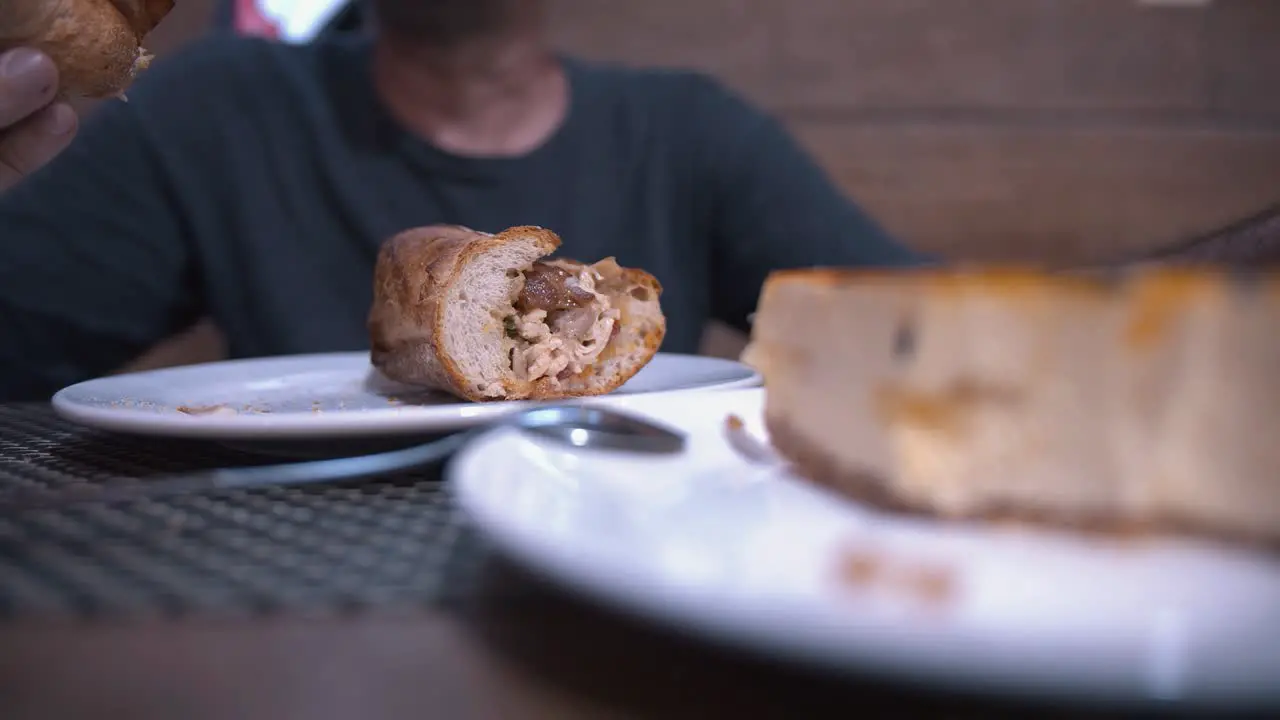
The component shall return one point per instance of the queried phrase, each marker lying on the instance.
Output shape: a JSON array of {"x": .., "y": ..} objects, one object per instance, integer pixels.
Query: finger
[
  {"x": 28, "y": 82},
  {"x": 35, "y": 141}
]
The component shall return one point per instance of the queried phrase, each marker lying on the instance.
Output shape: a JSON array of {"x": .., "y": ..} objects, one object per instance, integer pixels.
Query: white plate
[
  {"x": 743, "y": 552},
  {"x": 327, "y": 395}
]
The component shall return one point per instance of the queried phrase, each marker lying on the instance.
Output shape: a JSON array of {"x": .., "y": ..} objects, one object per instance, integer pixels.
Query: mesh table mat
[{"x": 392, "y": 541}]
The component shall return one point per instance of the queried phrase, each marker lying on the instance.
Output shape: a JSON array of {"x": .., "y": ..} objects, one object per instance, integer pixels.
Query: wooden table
[
  {"x": 487, "y": 642},
  {"x": 524, "y": 650}
]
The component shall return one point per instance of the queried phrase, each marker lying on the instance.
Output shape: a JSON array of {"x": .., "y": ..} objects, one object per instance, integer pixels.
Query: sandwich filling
[{"x": 560, "y": 323}]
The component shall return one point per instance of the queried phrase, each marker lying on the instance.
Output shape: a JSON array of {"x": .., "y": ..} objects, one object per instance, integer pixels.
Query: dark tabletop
[{"x": 374, "y": 600}]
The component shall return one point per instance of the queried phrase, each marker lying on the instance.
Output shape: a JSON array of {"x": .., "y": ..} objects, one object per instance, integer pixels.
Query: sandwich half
[
  {"x": 485, "y": 317},
  {"x": 1143, "y": 401}
]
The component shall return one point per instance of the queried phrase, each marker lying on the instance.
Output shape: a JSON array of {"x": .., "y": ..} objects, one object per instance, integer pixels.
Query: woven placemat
[{"x": 393, "y": 541}]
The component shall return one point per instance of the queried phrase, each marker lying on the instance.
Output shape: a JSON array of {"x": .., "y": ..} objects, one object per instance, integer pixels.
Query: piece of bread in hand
[
  {"x": 484, "y": 317},
  {"x": 1146, "y": 400},
  {"x": 95, "y": 44}
]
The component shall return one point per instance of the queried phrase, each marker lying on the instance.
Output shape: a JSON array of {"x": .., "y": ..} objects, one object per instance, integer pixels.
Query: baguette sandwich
[
  {"x": 486, "y": 317},
  {"x": 1147, "y": 401}
]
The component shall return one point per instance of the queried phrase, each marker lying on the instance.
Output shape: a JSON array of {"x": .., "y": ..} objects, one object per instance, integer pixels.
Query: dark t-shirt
[{"x": 253, "y": 182}]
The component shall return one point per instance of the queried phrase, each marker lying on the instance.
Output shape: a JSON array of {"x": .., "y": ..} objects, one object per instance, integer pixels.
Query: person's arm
[
  {"x": 94, "y": 265},
  {"x": 1252, "y": 241},
  {"x": 775, "y": 207}
]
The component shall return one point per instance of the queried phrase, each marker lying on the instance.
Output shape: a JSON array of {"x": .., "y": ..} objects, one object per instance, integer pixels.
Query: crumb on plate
[
  {"x": 750, "y": 447},
  {"x": 206, "y": 410},
  {"x": 866, "y": 569}
]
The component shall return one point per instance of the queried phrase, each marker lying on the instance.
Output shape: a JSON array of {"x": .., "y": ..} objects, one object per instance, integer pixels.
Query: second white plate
[{"x": 742, "y": 551}]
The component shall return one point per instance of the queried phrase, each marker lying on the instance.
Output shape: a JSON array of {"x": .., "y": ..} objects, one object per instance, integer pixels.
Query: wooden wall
[
  {"x": 1065, "y": 130},
  {"x": 1059, "y": 129}
]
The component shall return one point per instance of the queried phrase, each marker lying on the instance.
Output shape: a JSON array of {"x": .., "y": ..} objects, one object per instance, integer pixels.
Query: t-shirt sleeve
[
  {"x": 774, "y": 207},
  {"x": 94, "y": 267}
]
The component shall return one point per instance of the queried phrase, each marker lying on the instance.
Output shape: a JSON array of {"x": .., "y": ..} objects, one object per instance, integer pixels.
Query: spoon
[{"x": 577, "y": 426}]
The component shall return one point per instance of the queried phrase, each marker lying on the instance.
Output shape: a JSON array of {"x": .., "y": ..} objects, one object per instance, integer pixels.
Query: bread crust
[
  {"x": 416, "y": 271},
  {"x": 95, "y": 44}
]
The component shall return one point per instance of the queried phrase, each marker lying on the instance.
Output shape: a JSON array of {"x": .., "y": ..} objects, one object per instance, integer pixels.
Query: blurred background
[{"x": 1059, "y": 130}]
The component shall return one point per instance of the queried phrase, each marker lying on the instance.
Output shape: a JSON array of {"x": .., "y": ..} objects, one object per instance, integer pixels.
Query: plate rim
[{"x": 388, "y": 422}]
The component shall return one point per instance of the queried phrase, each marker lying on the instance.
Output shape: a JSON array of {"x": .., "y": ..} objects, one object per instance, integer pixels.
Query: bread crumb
[
  {"x": 206, "y": 410},
  {"x": 929, "y": 584},
  {"x": 933, "y": 585},
  {"x": 745, "y": 444},
  {"x": 860, "y": 569}
]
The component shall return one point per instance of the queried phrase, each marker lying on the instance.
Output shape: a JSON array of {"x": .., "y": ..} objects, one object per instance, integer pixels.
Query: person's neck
[{"x": 503, "y": 95}]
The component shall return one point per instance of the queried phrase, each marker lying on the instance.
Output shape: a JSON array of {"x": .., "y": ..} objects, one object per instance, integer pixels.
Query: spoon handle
[{"x": 311, "y": 472}]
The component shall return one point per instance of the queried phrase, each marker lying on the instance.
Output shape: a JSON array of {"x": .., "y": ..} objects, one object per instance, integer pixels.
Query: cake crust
[{"x": 811, "y": 463}]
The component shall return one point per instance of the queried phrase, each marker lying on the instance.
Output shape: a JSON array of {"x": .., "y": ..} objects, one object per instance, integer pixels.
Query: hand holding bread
[{"x": 51, "y": 50}]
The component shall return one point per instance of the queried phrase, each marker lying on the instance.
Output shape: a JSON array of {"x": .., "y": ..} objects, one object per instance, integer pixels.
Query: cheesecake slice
[{"x": 1150, "y": 400}]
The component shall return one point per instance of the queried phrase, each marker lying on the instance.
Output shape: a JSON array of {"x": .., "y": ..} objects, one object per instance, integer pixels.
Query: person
[{"x": 254, "y": 182}]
